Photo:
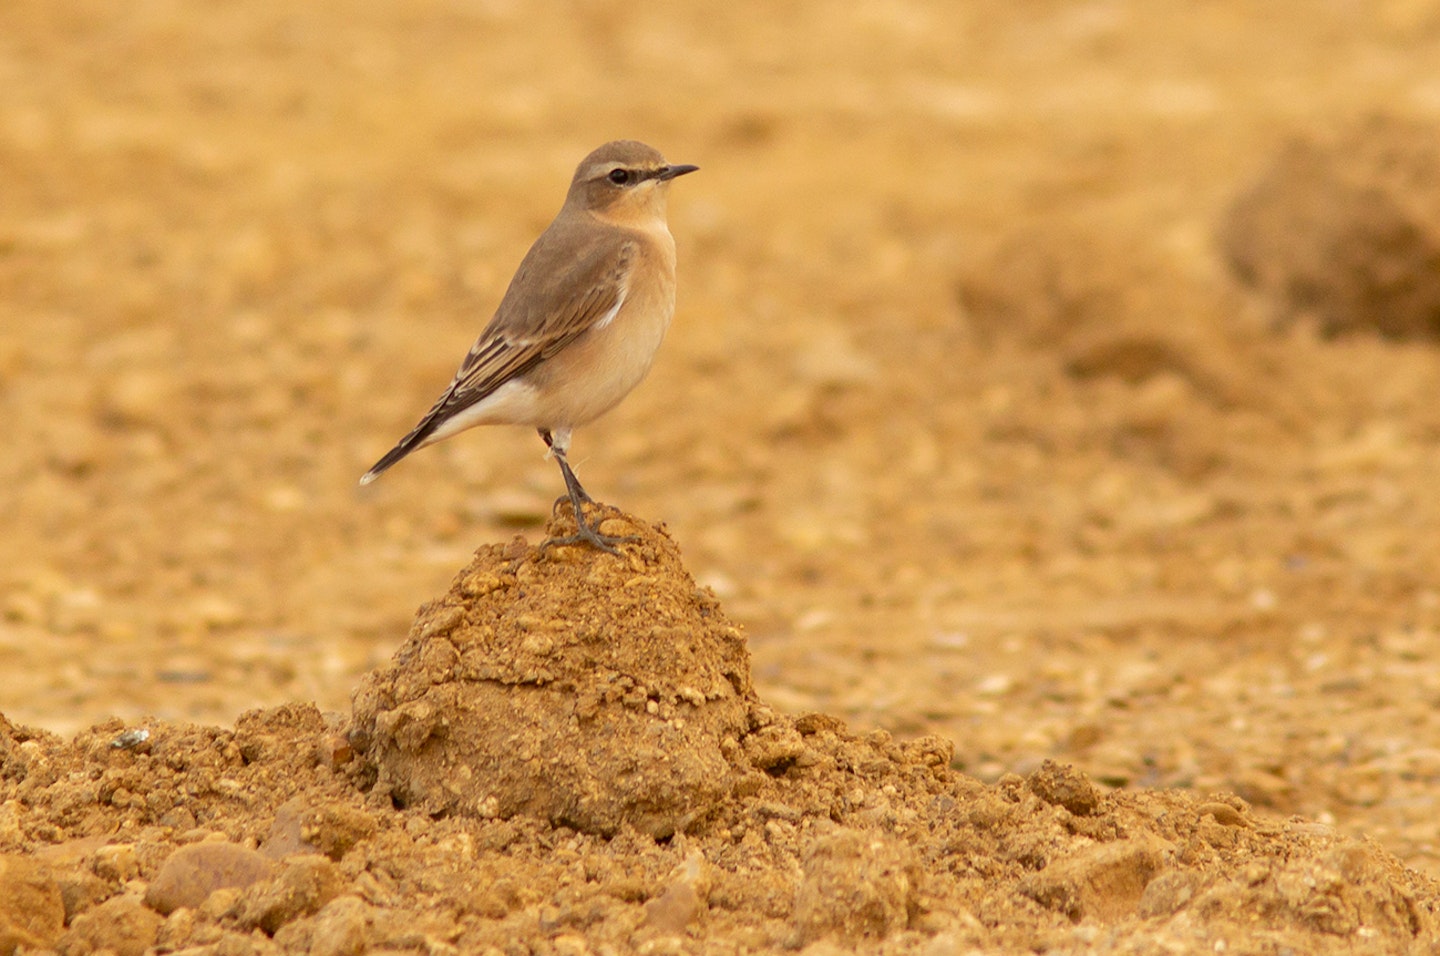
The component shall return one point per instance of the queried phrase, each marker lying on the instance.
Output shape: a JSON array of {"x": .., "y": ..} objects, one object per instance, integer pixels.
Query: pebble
[
  {"x": 117, "y": 862},
  {"x": 671, "y": 911},
  {"x": 287, "y": 832},
  {"x": 305, "y": 884},
  {"x": 303, "y": 828},
  {"x": 685, "y": 896},
  {"x": 139, "y": 397},
  {"x": 121, "y": 925},
  {"x": 1105, "y": 881},
  {"x": 32, "y": 913},
  {"x": 856, "y": 885},
  {"x": 341, "y": 928},
  {"x": 192, "y": 873},
  {"x": 1063, "y": 785}
]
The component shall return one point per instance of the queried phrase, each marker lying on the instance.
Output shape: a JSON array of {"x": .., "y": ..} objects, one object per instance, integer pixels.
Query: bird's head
[{"x": 625, "y": 180}]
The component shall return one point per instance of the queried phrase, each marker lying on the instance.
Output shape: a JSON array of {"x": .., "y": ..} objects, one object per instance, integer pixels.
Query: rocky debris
[
  {"x": 1345, "y": 892},
  {"x": 121, "y": 924},
  {"x": 857, "y": 886},
  {"x": 684, "y": 898},
  {"x": 1104, "y": 882},
  {"x": 1101, "y": 302},
  {"x": 340, "y": 928},
  {"x": 1347, "y": 230},
  {"x": 331, "y": 828},
  {"x": 1064, "y": 786},
  {"x": 32, "y": 914},
  {"x": 86, "y": 871},
  {"x": 304, "y": 884},
  {"x": 193, "y": 872},
  {"x": 619, "y": 698}
]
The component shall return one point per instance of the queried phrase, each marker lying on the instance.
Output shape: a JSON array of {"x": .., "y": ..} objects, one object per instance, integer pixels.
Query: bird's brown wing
[
  {"x": 561, "y": 290},
  {"x": 573, "y": 278}
]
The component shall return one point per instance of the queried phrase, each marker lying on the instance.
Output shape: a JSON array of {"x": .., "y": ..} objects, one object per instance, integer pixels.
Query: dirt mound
[
  {"x": 590, "y": 692},
  {"x": 1347, "y": 230},
  {"x": 617, "y": 690}
]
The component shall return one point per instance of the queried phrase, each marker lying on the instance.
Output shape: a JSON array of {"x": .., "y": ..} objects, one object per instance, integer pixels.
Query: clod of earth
[{"x": 589, "y": 691}]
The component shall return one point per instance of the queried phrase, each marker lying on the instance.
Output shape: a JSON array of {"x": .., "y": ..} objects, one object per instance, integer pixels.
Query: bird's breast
[{"x": 605, "y": 363}]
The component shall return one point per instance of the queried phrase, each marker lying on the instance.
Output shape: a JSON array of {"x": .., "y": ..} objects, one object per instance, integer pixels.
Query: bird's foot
[{"x": 587, "y": 533}]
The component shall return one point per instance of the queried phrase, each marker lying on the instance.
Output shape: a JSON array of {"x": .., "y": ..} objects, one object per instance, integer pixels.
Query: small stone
[
  {"x": 671, "y": 911},
  {"x": 177, "y": 930},
  {"x": 116, "y": 862},
  {"x": 32, "y": 914},
  {"x": 138, "y": 397},
  {"x": 341, "y": 928},
  {"x": 1223, "y": 813},
  {"x": 857, "y": 885},
  {"x": 222, "y": 904},
  {"x": 815, "y": 723},
  {"x": 216, "y": 612},
  {"x": 335, "y": 751},
  {"x": 1169, "y": 893},
  {"x": 684, "y": 896},
  {"x": 1104, "y": 882},
  {"x": 287, "y": 831},
  {"x": 305, "y": 884},
  {"x": 192, "y": 873},
  {"x": 71, "y": 865},
  {"x": 1063, "y": 786},
  {"x": 571, "y": 945},
  {"x": 773, "y": 747},
  {"x": 80, "y": 889},
  {"x": 121, "y": 925},
  {"x": 331, "y": 829},
  {"x": 1264, "y": 788},
  {"x": 831, "y": 359}
]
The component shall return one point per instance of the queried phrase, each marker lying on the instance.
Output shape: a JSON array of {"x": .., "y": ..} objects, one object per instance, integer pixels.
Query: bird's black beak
[{"x": 670, "y": 172}]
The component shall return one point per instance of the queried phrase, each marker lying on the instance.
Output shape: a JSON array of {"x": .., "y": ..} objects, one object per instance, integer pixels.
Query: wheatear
[{"x": 579, "y": 326}]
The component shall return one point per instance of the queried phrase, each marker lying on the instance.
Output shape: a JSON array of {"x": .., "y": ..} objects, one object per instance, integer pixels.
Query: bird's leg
[
  {"x": 584, "y": 531},
  {"x": 573, "y": 489}
]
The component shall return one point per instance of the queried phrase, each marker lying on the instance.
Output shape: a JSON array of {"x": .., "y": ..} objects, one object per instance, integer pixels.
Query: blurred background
[{"x": 993, "y": 407}]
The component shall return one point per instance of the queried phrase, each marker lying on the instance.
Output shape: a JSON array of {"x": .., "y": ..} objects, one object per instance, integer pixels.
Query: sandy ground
[{"x": 964, "y": 418}]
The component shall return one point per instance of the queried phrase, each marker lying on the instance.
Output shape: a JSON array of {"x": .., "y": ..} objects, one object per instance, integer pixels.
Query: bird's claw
[{"x": 586, "y": 533}]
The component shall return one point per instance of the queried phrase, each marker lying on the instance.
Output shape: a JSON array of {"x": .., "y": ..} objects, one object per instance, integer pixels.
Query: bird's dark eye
[{"x": 619, "y": 176}]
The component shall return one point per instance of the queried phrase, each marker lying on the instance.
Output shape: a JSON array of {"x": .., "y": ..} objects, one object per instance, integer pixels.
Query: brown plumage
[{"x": 579, "y": 325}]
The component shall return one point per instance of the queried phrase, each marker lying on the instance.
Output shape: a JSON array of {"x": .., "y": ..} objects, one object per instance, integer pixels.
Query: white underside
[
  {"x": 583, "y": 381},
  {"x": 514, "y": 403}
]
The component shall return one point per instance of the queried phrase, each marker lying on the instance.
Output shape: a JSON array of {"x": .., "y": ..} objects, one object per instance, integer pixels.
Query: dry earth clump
[
  {"x": 1347, "y": 230},
  {"x": 592, "y": 694}
]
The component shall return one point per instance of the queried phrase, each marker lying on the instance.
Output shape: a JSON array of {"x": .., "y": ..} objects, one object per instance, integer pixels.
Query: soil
[{"x": 1048, "y": 422}]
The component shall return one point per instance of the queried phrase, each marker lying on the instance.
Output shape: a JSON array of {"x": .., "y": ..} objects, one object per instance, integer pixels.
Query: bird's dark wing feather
[{"x": 570, "y": 280}]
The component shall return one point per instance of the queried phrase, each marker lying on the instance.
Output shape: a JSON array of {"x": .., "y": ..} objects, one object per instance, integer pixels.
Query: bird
[{"x": 579, "y": 325}]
